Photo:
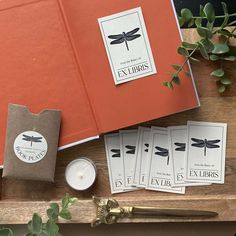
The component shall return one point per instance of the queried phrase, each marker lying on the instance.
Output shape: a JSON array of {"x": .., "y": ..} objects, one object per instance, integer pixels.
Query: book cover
[{"x": 53, "y": 56}]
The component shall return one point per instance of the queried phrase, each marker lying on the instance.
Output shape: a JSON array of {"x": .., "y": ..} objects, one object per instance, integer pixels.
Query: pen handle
[{"x": 152, "y": 211}]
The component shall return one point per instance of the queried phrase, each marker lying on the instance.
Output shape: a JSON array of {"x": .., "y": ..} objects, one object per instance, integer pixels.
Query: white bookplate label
[
  {"x": 30, "y": 146},
  {"x": 127, "y": 45}
]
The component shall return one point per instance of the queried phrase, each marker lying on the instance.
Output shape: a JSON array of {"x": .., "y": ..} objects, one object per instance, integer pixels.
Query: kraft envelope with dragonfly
[
  {"x": 127, "y": 45},
  {"x": 206, "y": 152},
  {"x": 31, "y": 144}
]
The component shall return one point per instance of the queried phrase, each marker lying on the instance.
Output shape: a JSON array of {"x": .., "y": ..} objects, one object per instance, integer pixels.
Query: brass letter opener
[{"x": 108, "y": 211}]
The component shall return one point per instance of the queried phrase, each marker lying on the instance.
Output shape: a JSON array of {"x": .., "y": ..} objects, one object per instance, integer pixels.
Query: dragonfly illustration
[
  {"x": 204, "y": 143},
  {"x": 32, "y": 139},
  {"x": 163, "y": 152},
  {"x": 147, "y": 147},
  {"x": 131, "y": 149},
  {"x": 116, "y": 152},
  {"x": 180, "y": 147},
  {"x": 125, "y": 37}
]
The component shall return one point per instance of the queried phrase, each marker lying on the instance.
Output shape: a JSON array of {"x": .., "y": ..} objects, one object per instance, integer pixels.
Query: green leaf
[
  {"x": 191, "y": 23},
  {"x": 209, "y": 46},
  {"x": 201, "y": 11},
  {"x": 220, "y": 48},
  {"x": 176, "y": 67},
  {"x": 189, "y": 45},
  {"x": 55, "y": 207},
  {"x": 176, "y": 79},
  {"x": 198, "y": 22},
  {"x": 221, "y": 89},
  {"x": 214, "y": 57},
  {"x": 203, "y": 50},
  {"x": 229, "y": 58},
  {"x": 218, "y": 73},
  {"x": 226, "y": 81},
  {"x": 51, "y": 228},
  {"x": 66, "y": 201},
  {"x": 36, "y": 224},
  {"x": 168, "y": 84},
  {"x": 204, "y": 32},
  {"x": 181, "y": 21},
  {"x": 186, "y": 14},
  {"x": 182, "y": 51},
  {"x": 52, "y": 215},
  {"x": 187, "y": 73},
  {"x": 194, "y": 60},
  {"x": 226, "y": 19},
  {"x": 65, "y": 214},
  {"x": 6, "y": 232},
  {"x": 209, "y": 12}
]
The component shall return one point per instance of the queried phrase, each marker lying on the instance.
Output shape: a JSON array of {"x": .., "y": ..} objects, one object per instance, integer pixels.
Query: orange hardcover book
[{"x": 53, "y": 57}]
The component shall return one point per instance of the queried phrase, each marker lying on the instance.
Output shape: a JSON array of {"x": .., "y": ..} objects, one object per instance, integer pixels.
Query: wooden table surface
[{"x": 20, "y": 199}]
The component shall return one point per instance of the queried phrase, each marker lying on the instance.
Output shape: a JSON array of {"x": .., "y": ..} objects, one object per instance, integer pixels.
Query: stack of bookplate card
[{"x": 166, "y": 159}]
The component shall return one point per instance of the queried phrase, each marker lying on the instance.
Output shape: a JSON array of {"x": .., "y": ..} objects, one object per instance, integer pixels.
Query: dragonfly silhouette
[
  {"x": 116, "y": 152},
  {"x": 131, "y": 149},
  {"x": 125, "y": 37},
  {"x": 180, "y": 147},
  {"x": 204, "y": 143},
  {"x": 163, "y": 152},
  {"x": 32, "y": 139}
]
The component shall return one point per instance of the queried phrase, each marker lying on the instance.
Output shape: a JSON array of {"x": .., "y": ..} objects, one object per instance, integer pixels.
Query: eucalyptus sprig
[
  {"x": 219, "y": 52},
  {"x": 50, "y": 228}
]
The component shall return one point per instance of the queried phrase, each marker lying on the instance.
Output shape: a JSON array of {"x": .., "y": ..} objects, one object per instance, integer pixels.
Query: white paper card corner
[{"x": 127, "y": 45}]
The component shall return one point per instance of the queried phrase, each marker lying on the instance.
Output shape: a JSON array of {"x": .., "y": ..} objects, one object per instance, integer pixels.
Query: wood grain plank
[{"x": 84, "y": 211}]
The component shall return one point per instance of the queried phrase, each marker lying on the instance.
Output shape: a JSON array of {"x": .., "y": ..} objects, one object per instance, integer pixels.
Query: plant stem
[
  {"x": 231, "y": 23},
  {"x": 186, "y": 60}
]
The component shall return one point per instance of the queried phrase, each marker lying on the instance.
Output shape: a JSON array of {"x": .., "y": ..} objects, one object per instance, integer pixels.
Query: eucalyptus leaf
[
  {"x": 209, "y": 46},
  {"x": 52, "y": 215},
  {"x": 198, "y": 22},
  {"x": 176, "y": 79},
  {"x": 226, "y": 81},
  {"x": 218, "y": 73},
  {"x": 201, "y": 11},
  {"x": 182, "y": 51},
  {"x": 65, "y": 201},
  {"x": 214, "y": 57},
  {"x": 226, "y": 19},
  {"x": 187, "y": 73},
  {"x": 65, "y": 214},
  {"x": 176, "y": 67},
  {"x": 189, "y": 45},
  {"x": 220, "y": 48},
  {"x": 221, "y": 89},
  {"x": 52, "y": 229},
  {"x": 194, "y": 60},
  {"x": 204, "y": 32},
  {"x": 229, "y": 58},
  {"x": 168, "y": 84},
  {"x": 209, "y": 12},
  {"x": 55, "y": 207},
  {"x": 36, "y": 224},
  {"x": 186, "y": 14},
  {"x": 181, "y": 21},
  {"x": 203, "y": 50},
  {"x": 191, "y": 23}
]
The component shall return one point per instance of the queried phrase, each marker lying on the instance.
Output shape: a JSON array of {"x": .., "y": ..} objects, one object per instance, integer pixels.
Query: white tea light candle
[{"x": 81, "y": 174}]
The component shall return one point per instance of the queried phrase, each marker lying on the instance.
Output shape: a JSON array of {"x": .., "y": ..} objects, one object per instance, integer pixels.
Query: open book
[{"x": 53, "y": 56}]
